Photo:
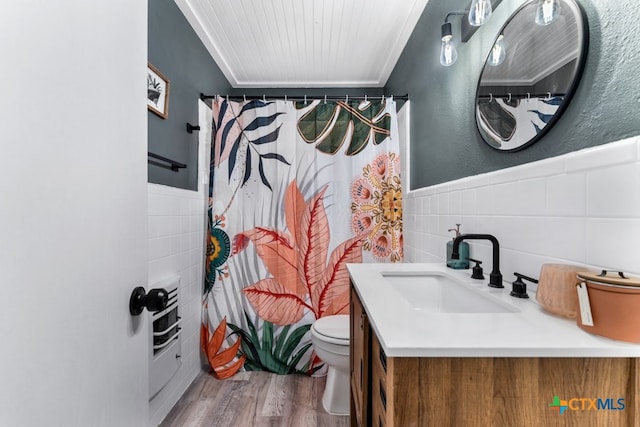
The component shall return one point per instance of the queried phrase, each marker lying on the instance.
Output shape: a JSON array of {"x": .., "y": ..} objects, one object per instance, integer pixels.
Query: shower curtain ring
[
  {"x": 285, "y": 97},
  {"x": 509, "y": 99},
  {"x": 365, "y": 98},
  {"x": 528, "y": 96},
  {"x": 490, "y": 97},
  {"x": 305, "y": 100},
  {"x": 244, "y": 97},
  {"x": 346, "y": 99},
  {"x": 264, "y": 98},
  {"x": 227, "y": 98},
  {"x": 325, "y": 99},
  {"x": 548, "y": 96}
]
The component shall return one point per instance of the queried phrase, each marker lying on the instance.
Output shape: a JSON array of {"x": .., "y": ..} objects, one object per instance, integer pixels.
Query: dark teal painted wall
[
  {"x": 175, "y": 49},
  {"x": 445, "y": 144}
]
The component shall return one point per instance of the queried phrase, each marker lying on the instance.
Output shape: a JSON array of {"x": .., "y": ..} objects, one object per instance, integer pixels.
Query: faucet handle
[
  {"x": 477, "y": 269},
  {"x": 519, "y": 289}
]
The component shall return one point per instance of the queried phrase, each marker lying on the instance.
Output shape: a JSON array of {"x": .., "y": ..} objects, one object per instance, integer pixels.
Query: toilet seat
[{"x": 333, "y": 329}]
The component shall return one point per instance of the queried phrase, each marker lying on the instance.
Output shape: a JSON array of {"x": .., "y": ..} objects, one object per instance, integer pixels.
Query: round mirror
[{"x": 531, "y": 73}]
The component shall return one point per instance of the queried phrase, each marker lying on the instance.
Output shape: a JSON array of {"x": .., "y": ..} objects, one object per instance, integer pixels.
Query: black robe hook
[{"x": 191, "y": 128}]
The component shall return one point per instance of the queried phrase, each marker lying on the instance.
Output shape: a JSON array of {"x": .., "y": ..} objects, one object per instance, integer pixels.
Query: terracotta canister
[
  {"x": 557, "y": 289},
  {"x": 614, "y": 301}
]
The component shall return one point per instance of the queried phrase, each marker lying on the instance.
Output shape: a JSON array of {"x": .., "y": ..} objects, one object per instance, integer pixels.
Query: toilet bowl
[{"x": 330, "y": 338}]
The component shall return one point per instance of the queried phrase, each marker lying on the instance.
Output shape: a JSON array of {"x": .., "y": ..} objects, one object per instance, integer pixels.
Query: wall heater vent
[
  {"x": 166, "y": 340},
  {"x": 166, "y": 324}
]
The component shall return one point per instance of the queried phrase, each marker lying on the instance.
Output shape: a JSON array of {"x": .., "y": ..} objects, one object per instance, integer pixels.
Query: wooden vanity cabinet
[{"x": 485, "y": 391}]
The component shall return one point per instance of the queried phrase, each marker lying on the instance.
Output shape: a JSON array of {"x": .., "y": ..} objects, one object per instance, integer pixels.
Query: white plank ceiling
[{"x": 304, "y": 43}]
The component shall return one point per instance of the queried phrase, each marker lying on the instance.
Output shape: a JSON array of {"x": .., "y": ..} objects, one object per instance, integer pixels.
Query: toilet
[{"x": 330, "y": 338}]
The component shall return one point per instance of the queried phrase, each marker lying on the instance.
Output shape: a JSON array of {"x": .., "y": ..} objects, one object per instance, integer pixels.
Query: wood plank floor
[{"x": 253, "y": 399}]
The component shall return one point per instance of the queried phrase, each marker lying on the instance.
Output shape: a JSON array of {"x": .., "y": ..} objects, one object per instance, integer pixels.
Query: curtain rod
[
  {"x": 546, "y": 95},
  {"x": 305, "y": 97}
]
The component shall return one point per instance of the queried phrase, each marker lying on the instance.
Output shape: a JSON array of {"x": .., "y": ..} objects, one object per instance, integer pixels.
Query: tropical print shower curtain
[{"x": 297, "y": 191}]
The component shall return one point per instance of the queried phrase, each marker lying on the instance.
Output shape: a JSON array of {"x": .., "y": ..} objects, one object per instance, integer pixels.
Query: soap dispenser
[{"x": 463, "y": 262}]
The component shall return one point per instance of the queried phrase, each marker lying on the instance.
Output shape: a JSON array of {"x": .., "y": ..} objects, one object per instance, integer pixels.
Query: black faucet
[{"x": 495, "y": 278}]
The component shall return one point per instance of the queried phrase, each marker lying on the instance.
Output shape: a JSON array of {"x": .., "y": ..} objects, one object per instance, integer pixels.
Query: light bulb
[
  {"x": 479, "y": 12},
  {"x": 498, "y": 52},
  {"x": 547, "y": 11},
  {"x": 448, "y": 53}
]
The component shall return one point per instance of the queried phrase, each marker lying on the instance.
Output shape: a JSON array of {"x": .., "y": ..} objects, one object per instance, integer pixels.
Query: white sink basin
[{"x": 434, "y": 292}]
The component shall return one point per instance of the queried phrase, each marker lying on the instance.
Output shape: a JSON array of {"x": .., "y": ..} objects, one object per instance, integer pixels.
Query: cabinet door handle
[
  {"x": 383, "y": 396},
  {"x": 383, "y": 360}
]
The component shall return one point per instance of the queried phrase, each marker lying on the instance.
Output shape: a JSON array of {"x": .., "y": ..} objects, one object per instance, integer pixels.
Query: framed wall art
[{"x": 157, "y": 92}]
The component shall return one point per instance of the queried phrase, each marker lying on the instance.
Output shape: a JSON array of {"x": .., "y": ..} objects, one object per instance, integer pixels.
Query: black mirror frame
[{"x": 569, "y": 94}]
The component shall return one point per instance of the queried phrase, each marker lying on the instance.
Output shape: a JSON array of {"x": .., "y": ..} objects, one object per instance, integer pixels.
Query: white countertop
[{"x": 531, "y": 332}]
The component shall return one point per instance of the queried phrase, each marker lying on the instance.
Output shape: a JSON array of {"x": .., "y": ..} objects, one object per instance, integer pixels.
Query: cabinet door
[{"x": 359, "y": 361}]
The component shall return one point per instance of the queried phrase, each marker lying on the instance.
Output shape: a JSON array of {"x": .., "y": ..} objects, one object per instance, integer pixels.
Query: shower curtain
[{"x": 297, "y": 191}]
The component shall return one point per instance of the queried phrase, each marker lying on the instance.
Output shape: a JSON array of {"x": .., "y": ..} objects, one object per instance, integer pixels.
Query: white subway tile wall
[
  {"x": 176, "y": 246},
  {"x": 579, "y": 208}
]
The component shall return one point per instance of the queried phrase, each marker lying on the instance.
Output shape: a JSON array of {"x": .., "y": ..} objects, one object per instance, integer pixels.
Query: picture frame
[{"x": 157, "y": 92}]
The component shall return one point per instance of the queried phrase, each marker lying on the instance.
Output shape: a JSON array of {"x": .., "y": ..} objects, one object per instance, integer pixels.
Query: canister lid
[{"x": 610, "y": 278}]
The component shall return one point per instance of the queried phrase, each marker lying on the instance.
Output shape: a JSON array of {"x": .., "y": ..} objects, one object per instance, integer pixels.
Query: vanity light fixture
[
  {"x": 479, "y": 12},
  {"x": 498, "y": 52},
  {"x": 547, "y": 11}
]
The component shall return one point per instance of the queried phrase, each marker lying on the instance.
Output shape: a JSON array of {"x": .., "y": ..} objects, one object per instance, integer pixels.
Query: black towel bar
[{"x": 173, "y": 165}]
